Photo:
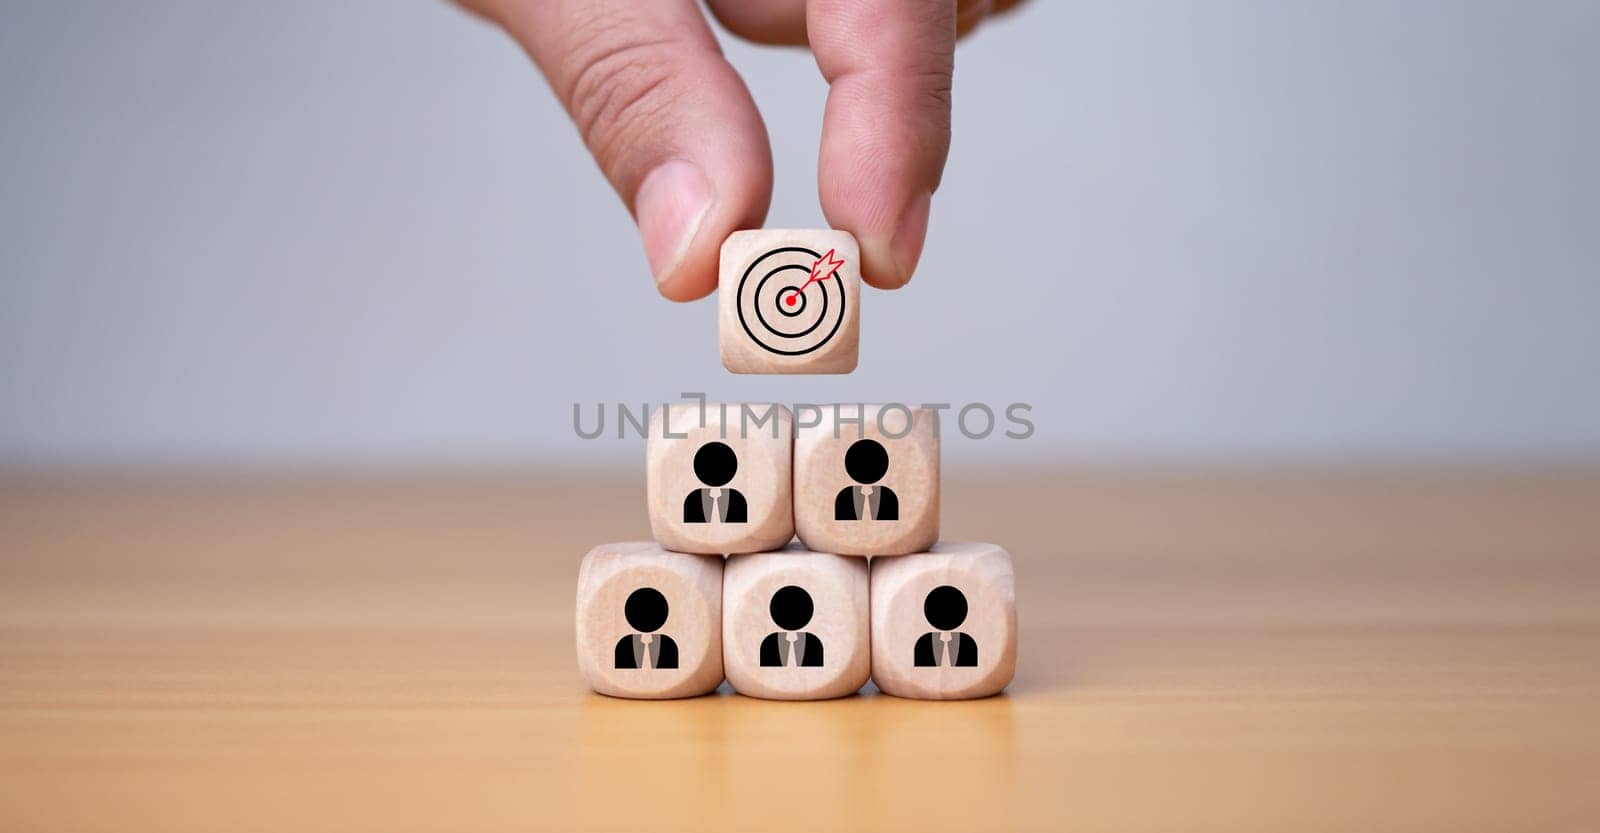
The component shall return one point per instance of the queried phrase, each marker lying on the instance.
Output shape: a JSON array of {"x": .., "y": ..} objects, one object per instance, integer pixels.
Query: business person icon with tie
[
  {"x": 791, "y": 609},
  {"x": 945, "y": 608},
  {"x": 646, "y": 612},
  {"x": 866, "y": 462},
  {"x": 715, "y": 464}
]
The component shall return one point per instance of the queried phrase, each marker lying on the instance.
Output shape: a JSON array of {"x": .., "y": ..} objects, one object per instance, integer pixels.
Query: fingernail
[
  {"x": 672, "y": 202},
  {"x": 910, "y": 235}
]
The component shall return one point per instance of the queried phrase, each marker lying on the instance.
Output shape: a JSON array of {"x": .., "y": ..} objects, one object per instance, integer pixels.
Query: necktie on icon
[
  {"x": 645, "y": 660},
  {"x": 866, "y": 511},
  {"x": 793, "y": 658},
  {"x": 714, "y": 514},
  {"x": 945, "y": 660}
]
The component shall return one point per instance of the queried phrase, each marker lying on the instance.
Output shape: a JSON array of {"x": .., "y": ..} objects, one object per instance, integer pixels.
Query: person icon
[
  {"x": 715, "y": 464},
  {"x": 791, "y": 609},
  {"x": 866, "y": 462},
  {"x": 646, "y": 612},
  {"x": 945, "y": 608}
]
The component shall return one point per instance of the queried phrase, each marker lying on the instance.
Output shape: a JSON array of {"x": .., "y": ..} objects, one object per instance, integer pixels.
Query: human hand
[{"x": 674, "y": 129}]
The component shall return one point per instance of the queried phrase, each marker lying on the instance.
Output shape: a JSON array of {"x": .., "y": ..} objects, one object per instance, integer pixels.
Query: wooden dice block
[
  {"x": 650, "y": 621},
  {"x": 794, "y": 624},
  {"x": 944, "y": 622},
  {"x": 789, "y": 301},
  {"x": 723, "y": 486},
  {"x": 866, "y": 480}
]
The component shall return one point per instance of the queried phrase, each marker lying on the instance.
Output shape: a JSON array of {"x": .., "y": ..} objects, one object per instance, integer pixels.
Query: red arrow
[{"x": 817, "y": 274}]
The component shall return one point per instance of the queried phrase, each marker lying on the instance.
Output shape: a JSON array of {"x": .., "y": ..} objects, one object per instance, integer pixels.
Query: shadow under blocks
[{"x": 725, "y": 591}]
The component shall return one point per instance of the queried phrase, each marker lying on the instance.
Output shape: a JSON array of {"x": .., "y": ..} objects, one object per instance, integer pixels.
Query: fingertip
[
  {"x": 671, "y": 207},
  {"x": 911, "y": 235},
  {"x": 688, "y": 285},
  {"x": 694, "y": 276},
  {"x": 684, "y": 217},
  {"x": 889, "y": 261},
  {"x": 878, "y": 266}
]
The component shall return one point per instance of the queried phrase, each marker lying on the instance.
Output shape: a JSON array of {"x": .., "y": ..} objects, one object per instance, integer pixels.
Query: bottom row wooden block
[{"x": 795, "y": 624}]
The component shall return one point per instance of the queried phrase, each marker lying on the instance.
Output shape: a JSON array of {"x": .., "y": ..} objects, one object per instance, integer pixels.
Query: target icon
[{"x": 790, "y": 300}]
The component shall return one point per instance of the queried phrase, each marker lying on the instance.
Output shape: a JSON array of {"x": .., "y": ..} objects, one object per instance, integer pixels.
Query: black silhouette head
[
  {"x": 715, "y": 464},
  {"x": 866, "y": 461},
  {"x": 945, "y": 608},
  {"x": 645, "y": 609},
  {"x": 791, "y": 608}
]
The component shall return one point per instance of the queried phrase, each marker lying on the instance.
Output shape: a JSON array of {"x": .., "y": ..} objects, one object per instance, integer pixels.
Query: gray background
[{"x": 313, "y": 233}]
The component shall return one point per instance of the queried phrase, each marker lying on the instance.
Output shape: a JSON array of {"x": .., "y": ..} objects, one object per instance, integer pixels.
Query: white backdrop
[{"x": 364, "y": 232}]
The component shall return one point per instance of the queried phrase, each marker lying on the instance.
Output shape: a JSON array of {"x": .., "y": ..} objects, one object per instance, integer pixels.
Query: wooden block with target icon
[{"x": 789, "y": 301}]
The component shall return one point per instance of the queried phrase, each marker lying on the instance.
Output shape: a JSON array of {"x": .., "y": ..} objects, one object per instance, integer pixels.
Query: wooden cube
[
  {"x": 944, "y": 622},
  {"x": 789, "y": 301},
  {"x": 721, "y": 485},
  {"x": 650, "y": 621},
  {"x": 795, "y": 624},
  {"x": 866, "y": 479}
]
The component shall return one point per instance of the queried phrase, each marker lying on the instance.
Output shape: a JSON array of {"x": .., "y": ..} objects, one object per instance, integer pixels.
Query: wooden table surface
[{"x": 1265, "y": 652}]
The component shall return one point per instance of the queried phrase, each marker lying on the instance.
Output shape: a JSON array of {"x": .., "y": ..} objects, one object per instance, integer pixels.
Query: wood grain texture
[
  {"x": 836, "y": 587},
  {"x": 982, "y": 577},
  {"x": 684, "y": 657},
  {"x": 895, "y": 451},
  {"x": 1414, "y": 652},
  {"x": 755, "y": 470}
]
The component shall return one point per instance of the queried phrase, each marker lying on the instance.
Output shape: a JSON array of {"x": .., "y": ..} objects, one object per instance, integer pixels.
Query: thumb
[
  {"x": 665, "y": 116},
  {"x": 886, "y": 130}
]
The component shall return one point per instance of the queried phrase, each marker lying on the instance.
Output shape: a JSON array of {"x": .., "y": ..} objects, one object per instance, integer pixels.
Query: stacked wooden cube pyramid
[{"x": 724, "y": 592}]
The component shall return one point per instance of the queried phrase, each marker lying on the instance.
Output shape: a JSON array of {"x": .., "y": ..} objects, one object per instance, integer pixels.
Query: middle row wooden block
[{"x": 728, "y": 478}]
